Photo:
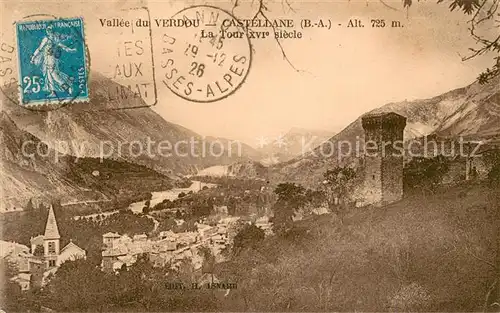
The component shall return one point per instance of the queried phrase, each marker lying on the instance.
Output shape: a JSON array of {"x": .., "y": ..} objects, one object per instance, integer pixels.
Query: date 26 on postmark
[
  {"x": 209, "y": 58},
  {"x": 52, "y": 61}
]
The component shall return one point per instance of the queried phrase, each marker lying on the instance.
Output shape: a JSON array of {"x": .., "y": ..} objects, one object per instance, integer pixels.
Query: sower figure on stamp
[{"x": 48, "y": 56}]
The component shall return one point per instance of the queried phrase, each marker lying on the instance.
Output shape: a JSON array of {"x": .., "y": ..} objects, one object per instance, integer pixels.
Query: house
[
  {"x": 12, "y": 251},
  {"x": 110, "y": 257},
  {"x": 108, "y": 239},
  {"x": 187, "y": 238},
  {"x": 142, "y": 237},
  {"x": 127, "y": 259},
  {"x": 206, "y": 231},
  {"x": 70, "y": 252},
  {"x": 264, "y": 224},
  {"x": 218, "y": 239},
  {"x": 168, "y": 234},
  {"x": 220, "y": 209},
  {"x": 37, "y": 269},
  {"x": 123, "y": 250},
  {"x": 222, "y": 230},
  {"x": 23, "y": 279},
  {"x": 164, "y": 245}
]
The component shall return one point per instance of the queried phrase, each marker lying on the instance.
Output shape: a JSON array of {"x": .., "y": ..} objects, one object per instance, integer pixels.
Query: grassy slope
[{"x": 361, "y": 265}]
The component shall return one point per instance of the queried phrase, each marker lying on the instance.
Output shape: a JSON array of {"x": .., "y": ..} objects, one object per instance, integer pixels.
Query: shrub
[
  {"x": 425, "y": 173},
  {"x": 248, "y": 237}
]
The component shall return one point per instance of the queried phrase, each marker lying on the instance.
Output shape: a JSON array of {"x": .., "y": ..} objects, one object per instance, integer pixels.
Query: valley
[{"x": 269, "y": 220}]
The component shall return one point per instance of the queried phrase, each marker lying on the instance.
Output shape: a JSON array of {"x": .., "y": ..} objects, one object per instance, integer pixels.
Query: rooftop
[
  {"x": 111, "y": 235},
  {"x": 377, "y": 118},
  {"x": 51, "y": 229},
  {"x": 383, "y": 115}
]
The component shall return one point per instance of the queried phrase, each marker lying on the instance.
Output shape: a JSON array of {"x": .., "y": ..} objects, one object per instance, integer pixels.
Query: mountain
[
  {"x": 296, "y": 142},
  {"x": 236, "y": 148},
  {"x": 247, "y": 169},
  {"x": 29, "y": 169},
  {"x": 472, "y": 112},
  {"x": 108, "y": 128}
]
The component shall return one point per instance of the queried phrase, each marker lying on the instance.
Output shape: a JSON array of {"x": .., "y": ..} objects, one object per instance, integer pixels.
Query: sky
[{"x": 343, "y": 72}]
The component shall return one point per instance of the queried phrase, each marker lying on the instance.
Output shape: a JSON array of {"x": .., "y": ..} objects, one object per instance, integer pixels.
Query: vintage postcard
[{"x": 250, "y": 155}]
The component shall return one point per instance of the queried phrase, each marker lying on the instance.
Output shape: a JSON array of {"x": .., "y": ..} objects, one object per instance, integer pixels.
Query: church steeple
[
  {"x": 51, "y": 240},
  {"x": 51, "y": 229}
]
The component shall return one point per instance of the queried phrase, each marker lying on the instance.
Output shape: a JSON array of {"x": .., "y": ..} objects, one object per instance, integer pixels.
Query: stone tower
[
  {"x": 383, "y": 157},
  {"x": 51, "y": 240}
]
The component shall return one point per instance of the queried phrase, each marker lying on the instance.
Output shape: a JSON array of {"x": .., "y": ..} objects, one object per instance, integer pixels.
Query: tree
[
  {"x": 248, "y": 237},
  {"x": 12, "y": 298},
  {"x": 201, "y": 208},
  {"x": 315, "y": 198},
  {"x": 291, "y": 198},
  {"x": 208, "y": 259},
  {"x": 147, "y": 207},
  {"x": 57, "y": 205},
  {"x": 78, "y": 285},
  {"x": 29, "y": 206},
  {"x": 425, "y": 173},
  {"x": 39, "y": 252},
  {"x": 231, "y": 206},
  {"x": 338, "y": 184},
  {"x": 178, "y": 214}
]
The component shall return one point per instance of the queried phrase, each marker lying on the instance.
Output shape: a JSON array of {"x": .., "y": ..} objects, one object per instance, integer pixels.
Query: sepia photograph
[{"x": 249, "y": 156}]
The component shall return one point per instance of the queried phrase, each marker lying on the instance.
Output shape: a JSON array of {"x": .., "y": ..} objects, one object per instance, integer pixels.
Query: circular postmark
[
  {"x": 206, "y": 54},
  {"x": 52, "y": 65}
]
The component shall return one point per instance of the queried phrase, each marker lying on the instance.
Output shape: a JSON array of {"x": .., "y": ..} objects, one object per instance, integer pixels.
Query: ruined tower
[{"x": 383, "y": 157}]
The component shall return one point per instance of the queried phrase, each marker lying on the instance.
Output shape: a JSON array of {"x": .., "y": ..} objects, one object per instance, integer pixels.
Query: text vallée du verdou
[{"x": 283, "y": 28}]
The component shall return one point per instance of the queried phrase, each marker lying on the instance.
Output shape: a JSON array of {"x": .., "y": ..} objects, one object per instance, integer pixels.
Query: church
[{"x": 45, "y": 255}]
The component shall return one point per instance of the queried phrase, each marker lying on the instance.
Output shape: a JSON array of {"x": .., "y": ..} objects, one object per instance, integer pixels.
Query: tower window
[
  {"x": 373, "y": 177},
  {"x": 52, "y": 263},
  {"x": 52, "y": 247}
]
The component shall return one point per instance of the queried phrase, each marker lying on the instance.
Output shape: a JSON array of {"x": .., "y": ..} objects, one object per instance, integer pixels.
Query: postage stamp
[
  {"x": 52, "y": 62},
  {"x": 208, "y": 57}
]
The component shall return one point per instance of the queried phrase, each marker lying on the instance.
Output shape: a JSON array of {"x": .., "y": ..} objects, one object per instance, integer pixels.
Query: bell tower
[
  {"x": 384, "y": 154},
  {"x": 51, "y": 240}
]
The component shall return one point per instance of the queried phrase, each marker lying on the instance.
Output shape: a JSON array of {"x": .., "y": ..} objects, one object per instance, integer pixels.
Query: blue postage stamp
[{"x": 52, "y": 61}]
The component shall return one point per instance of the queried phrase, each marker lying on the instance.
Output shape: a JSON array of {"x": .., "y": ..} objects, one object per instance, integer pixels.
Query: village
[
  {"x": 169, "y": 248},
  {"x": 38, "y": 263}
]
